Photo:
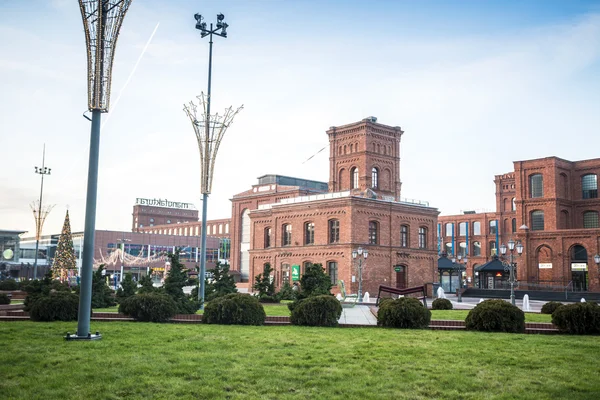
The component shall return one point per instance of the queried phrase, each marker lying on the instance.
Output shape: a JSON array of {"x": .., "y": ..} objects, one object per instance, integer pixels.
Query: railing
[{"x": 567, "y": 290}]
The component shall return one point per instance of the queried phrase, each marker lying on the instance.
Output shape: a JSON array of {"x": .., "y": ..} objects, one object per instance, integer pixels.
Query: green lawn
[
  {"x": 179, "y": 361},
  {"x": 272, "y": 310},
  {"x": 462, "y": 315}
]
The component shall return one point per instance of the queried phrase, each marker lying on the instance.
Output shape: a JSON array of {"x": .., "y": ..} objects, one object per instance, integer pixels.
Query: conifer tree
[
  {"x": 177, "y": 278},
  {"x": 264, "y": 284},
  {"x": 220, "y": 284},
  {"x": 64, "y": 258}
]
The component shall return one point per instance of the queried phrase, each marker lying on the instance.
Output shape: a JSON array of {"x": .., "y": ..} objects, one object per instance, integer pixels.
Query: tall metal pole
[
  {"x": 38, "y": 222},
  {"x": 360, "y": 296},
  {"x": 512, "y": 278}
]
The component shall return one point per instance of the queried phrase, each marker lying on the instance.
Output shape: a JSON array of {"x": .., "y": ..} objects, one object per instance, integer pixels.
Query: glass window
[
  {"x": 422, "y": 238},
  {"x": 514, "y": 204},
  {"x": 373, "y": 228},
  {"x": 449, "y": 229},
  {"x": 332, "y": 269},
  {"x": 354, "y": 178},
  {"x": 286, "y": 234},
  {"x": 267, "y": 238},
  {"x": 476, "y": 228},
  {"x": 493, "y": 250},
  {"x": 334, "y": 231},
  {"x": 462, "y": 249},
  {"x": 462, "y": 229},
  {"x": 589, "y": 186},
  {"x": 404, "y": 236},
  {"x": 537, "y": 220},
  {"x": 309, "y": 233},
  {"x": 536, "y": 185},
  {"x": 514, "y": 225},
  {"x": 374, "y": 176},
  {"x": 476, "y": 248},
  {"x": 590, "y": 219},
  {"x": 493, "y": 227},
  {"x": 449, "y": 249}
]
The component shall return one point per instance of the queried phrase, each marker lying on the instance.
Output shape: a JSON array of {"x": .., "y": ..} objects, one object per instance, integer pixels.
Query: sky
[{"x": 474, "y": 85}]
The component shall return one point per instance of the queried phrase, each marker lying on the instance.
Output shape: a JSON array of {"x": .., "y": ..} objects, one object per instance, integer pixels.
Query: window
[
  {"x": 590, "y": 219},
  {"x": 514, "y": 225},
  {"x": 462, "y": 249},
  {"x": 505, "y": 204},
  {"x": 373, "y": 228},
  {"x": 422, "y": 238},
  {"x": 536, "y": 185},
  {"x": 505, "y": 226},
  {"x": 537, "y": 220},
  {"x": 493, "y": 227},
  {"x": 267, "y": 238},
  {"x": 152, "y": 220},
  {"x": 305, "y": 265},
  {"x": 589, "y": 186},
  {"x": 354, "y": 178},
  {"x": 476, "y": 249},
  {"x": 286, "y": 235},
  {"x": 404, "y": 236},
  {"x": 334, "y": 231},
  {"x": 374, "y": 176},
  {"x": 449, "y": 249},
  {"x": 514, "y": 204},
  {"x": 449, "y": 229},
  {"x": 477, "y": 228},
  {"x": 309, "y": 233},
  {"x": 332, "y": 270},
  {"x": 493, "y": 250},
  {"x": 462, "y": 229}
]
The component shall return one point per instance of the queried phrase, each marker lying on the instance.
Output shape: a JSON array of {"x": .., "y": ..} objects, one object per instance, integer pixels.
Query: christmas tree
[{"x": 64, "y": 258}]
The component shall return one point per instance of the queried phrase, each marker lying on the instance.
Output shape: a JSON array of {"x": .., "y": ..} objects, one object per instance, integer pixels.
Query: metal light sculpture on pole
[
  {"x": 510, "y": 267},
  {"x": 209, "y": 132},
  {"x": 360, "y": 253},
  {"x": 102, "y": 21},
  {"x": 39, "y": 212},
  {"x": 459, "y": 268}
]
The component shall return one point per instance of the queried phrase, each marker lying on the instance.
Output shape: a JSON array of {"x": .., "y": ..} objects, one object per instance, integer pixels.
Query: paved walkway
[{"x": 358, "y": 315}]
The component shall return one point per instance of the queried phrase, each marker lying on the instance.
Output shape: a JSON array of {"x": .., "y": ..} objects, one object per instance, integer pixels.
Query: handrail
[{"x": 567, "y": 289}]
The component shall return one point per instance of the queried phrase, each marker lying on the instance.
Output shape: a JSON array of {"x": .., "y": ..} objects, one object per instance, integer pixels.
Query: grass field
[
  {"x": 281, "y": 310},
  {"x": 168, "y": 361}
]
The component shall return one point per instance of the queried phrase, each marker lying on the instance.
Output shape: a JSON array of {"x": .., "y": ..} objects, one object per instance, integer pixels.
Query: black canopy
[
  {"x": 446, "y": 264},
  {"x": 495, "y": 265}
]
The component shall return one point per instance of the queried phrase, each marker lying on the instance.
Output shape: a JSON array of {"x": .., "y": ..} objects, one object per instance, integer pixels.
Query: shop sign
[
  {"x": 545, "y": 265},
  {"x": 295, "y": 272},
  {"x": 579, "y": 267},
  {"x": 164, "y": 203}
]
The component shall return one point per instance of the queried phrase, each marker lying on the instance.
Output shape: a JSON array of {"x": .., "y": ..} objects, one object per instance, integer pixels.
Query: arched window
[
  {"x": 374, "y": 177},
  {"x": 267, "y": 238},
  {"x": 449, "y": 230},
  {"x": 334, "y": 231},
  {"x": 354, "y": 178},
  {"x": 351, "y": 148},
  {"x": 536, "y": 185},
  {"x": 341, "y": 178},
  {"x": 589, "y": 186},
  {"x": 449, "y": 249},
  {"x": 356, "y": 147},
  {"x": 590, "y": 219},
  {"x": 476, "y": 228},
  {"x": 404, "y": 239},
  {"x": 340, "y": 151},
  {"x": 476, "y": 249},
  {"x": 286, "y": 234},
  {"x": 374, "y": 148},
  {"x": 537, "y": 220},
  {"x": 505, "y": 205},
  {"x": 462, "y": 229},
  {"x": 514, "y": 204},
  {"x": 390, "y": 150},
  {"x": 462, "y": 249},
  {"x": 378, "y": 148},
  {"x": 332, "y": 270},
  {"x": 493, "y": 227},
  {"x": 344, "y": 149},
  {"x": 384, "y": 150},
  {"x": 422, "y": 237},
  {"x": 309, "y": 233},
  {"x": 373, "y": 232},
  {"x": 514, "y": 225},
  {"x": 505, "y": 227}
]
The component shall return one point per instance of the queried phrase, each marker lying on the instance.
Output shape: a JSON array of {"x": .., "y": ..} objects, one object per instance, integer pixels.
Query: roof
[
  {"x": 495, "y": 265},
  {"x": 444, "y": 263}
]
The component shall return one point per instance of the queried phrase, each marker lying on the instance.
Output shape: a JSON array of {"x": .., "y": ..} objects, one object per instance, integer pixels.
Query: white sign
[
  {"x": 164, "y": 203},
  {"x": 579, "y": 267},
  {"x": 545, "y": 265}
]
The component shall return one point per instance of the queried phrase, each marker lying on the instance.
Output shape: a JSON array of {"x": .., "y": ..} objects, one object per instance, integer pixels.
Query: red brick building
[
  {"x": 291, "y": 223},
  {"x": 551, "y": 206}
]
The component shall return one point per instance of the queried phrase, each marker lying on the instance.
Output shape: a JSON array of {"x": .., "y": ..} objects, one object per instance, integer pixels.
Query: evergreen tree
[
  {"x": 220, "y": 284},
  {"x": 314, "y": 282},
  {"x": 127, "y": 289},
  {"x": 176, "y": 279},
  {"x": 64, "y": 258},
  {"x": 102, "y": 295},
  {"x": 147, "y": 286},
  {"x": 264, "y": 284},
  {"x": 286, "y": 292}
]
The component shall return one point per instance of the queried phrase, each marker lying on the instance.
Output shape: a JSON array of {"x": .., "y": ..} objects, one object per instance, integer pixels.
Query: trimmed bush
[
  {"x": 149, "y": 307},
  {"x": 323, "y": 310},
  {"x": 9, "y": 284},
  {"x": 55, "y": 306},
  {"x": 496, "y": 316},
  {"x": 234, "y": 309},
  {"x": 441, "y": 304},
  {"x": 550, "y": 307},
  {"x": 578, "y": 318},
  {"x": 4, "y": 299},
  {"x": 405, "y": 312}
]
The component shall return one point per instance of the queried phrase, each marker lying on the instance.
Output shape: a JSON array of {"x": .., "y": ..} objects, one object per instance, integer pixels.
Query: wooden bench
[{"x": 403, "y": 292}]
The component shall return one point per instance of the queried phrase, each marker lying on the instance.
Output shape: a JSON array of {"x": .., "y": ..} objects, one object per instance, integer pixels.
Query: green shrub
[
  {"x": 4, "y": 299},
  {"x": 441, "y": 304},
  {"x": 578, "y": 318},
  {"x": 23, "y": 283},
  {"x": 323, "y": 310},
  {"x": 496, "y": 316},
  {"x": 405, "y": 312},
  {"x": 177, "y": 278},
  {"x": 550, "y": 307},
  {"x": 127, "y": 289},
  {"x": 9, "y": 284},
  {"x": 234, "y": 309},
  {"x": 149, "y": 307},
  {"x": 286, "y": 292},
  {"x": 55, "y": 306}
]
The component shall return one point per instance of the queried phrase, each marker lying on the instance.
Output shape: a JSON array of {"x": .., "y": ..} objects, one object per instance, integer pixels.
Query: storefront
[
  {"x": 492, "y": 275},
  {"x": 450, "y": 274}
]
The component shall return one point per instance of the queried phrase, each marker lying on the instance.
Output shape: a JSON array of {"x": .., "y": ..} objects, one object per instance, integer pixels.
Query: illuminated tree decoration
[{"x": 64, "y": 258}]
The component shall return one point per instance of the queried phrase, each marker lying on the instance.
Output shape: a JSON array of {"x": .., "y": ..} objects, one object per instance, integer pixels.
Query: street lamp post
[
  {"x": 39, "y": 214},
  {"x": 360, "y": 253},
  {"x": 209, "y": 131},
  {"x": 597, "y": 261},
  {"x": 459, "y": 267},
  {"x": 510, "y": 267}
]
